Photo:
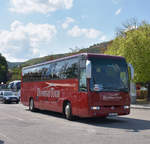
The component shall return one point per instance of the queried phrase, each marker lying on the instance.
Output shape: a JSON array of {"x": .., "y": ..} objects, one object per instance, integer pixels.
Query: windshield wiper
[
  {"x": 109, "y": 89},
  {"x": 123, "y": 89},
  {"x": 115, "y": 89},
  {"x": 83, "y": 89}
]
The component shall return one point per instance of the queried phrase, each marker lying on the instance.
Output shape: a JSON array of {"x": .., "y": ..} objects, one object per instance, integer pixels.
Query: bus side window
[{"x": 72, "y": 68}]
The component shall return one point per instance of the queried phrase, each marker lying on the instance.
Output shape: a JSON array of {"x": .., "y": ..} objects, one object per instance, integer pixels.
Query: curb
[{"x": 140, "y": 107}]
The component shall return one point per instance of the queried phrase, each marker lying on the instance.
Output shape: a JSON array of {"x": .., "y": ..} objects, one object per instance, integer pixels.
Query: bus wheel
[
  {"x": 68, "y": 112},
  {"x": 31, "y": 105}
]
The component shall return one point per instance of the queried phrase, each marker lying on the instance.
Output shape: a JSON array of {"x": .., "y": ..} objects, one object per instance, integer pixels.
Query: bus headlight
[
  {"x": 95, "y": 108},
  {"x": 126, "y": 107}
]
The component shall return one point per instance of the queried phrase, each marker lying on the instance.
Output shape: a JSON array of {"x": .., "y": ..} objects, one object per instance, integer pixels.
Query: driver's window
[
  {"x": 83, "y": 85},
  {"x": 123, "y": 78}
]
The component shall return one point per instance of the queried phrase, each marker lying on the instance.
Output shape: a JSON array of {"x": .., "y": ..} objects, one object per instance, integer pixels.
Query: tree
[
  {"x": 15, "y": 73},
  {"x": 129, "y": 25},
  {"x": 3, "y": 69},
  {"x": 134, "y": 45}
]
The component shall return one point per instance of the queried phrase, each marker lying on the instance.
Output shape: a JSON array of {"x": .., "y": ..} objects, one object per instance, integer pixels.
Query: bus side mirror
[
  {"x": 88, "y": 69},
  {"x": 132, "y": 71}
]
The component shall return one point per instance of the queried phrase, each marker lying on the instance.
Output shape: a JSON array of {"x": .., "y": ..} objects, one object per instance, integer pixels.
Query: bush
[{"x": 142, "y": 94}]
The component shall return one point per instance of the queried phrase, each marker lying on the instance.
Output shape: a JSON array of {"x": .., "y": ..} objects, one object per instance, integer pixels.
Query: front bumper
[
  {"x": 12, "y": 100},
  {"x": 104, "y": 111}
]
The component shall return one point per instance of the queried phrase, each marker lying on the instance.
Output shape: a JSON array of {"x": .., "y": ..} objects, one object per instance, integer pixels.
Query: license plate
[{"x": 112, "y": 114}]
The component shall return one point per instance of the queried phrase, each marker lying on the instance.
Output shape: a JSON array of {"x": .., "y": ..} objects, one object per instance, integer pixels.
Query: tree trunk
[{"x": 148, "y": 95}]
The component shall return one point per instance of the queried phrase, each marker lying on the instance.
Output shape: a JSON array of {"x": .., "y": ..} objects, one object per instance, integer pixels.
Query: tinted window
[
  {"x": 58, "y": 70},
  {"x": 71, "y": 68}
]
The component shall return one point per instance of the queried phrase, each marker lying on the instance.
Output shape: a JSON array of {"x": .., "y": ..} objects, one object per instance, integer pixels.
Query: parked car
[
  {"x": 14, "y": 85},
  {"x": 8, "y": 97}
]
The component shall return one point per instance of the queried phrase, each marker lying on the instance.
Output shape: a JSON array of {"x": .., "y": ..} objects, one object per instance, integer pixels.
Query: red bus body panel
[
  {"x": 50, "y": 95},
  {"x": 47, "y": 96}
]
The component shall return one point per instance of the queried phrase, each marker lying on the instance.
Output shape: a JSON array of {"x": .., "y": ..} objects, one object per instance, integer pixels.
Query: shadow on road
[
  {"x": 129, "y": 124},
  {"x": 49, "y": 113},
  {"x": 1, "y": 142}
]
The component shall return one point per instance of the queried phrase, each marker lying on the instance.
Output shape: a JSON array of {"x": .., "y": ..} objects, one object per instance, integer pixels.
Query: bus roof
[{"x": 88, "y": 55}]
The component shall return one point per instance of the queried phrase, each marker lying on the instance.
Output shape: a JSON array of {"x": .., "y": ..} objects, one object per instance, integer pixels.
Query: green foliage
[
  {"x": 16, "y": 74},
  {"x": 96, "y": 48},
  {"x": 3, "y": 69},
  {"x": 134, "y": 45}
]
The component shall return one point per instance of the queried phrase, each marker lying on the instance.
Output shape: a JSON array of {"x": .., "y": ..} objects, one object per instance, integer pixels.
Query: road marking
[
  {"x": 91, "y": 131},
  {"x": 4, "y": 136}
]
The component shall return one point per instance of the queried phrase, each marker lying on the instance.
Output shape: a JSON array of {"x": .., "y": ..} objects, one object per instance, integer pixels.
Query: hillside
[
  {"x": 13, "y": 64},
  {"x": 96, "y": 48}
]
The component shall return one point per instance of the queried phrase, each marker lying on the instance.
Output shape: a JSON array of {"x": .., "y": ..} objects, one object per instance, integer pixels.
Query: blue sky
[{"x": 35, "y": 28}]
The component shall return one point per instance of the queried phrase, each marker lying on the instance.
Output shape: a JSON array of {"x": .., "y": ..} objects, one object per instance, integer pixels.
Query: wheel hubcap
[
  {"x": 31, "y": 104},
  {"x": 67, "y": 111}
]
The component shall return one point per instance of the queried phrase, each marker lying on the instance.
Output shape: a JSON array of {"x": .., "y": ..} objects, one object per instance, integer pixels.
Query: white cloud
[
  {"x": 103, "y": 38},
  {"x": 69, "y": 20},
  {"x": 41, "y": 6},
  {"x": 118, "y": 11},
  {"x": 22, "y": 42},
  {"x": 88, "y": 33}
]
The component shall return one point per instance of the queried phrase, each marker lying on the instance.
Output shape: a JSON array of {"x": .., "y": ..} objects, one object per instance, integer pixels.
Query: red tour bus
[{"x": 84, "y": 85}]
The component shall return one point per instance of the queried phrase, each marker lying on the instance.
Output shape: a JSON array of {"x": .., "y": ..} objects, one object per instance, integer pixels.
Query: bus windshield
[{"x": 109, "y": 75}]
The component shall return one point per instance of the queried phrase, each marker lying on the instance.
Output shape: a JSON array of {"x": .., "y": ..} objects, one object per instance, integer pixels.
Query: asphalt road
[{"x": 20, "y": 126}]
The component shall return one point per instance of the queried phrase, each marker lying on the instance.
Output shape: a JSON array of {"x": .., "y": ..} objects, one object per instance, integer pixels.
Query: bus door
[{"x": 83, "y": 95}]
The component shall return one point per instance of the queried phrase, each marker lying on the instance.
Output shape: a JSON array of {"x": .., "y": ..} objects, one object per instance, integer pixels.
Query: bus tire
[
  {"x": 68, "y": 111},
  {"x": 31, "y": 105}
]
